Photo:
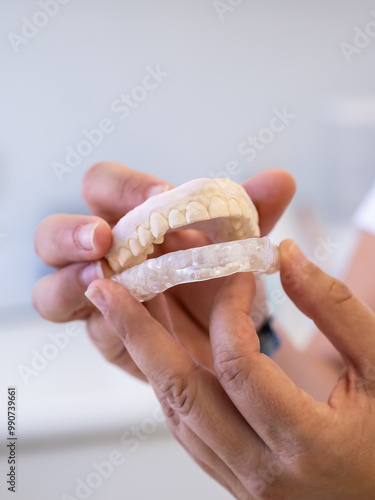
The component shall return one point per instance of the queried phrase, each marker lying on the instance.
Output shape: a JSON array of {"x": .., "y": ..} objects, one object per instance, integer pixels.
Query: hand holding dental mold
[
  {"x": 235, "y": 411},
  {"x": 76, "y": 246},
  {"x": 245, "y": 422}
]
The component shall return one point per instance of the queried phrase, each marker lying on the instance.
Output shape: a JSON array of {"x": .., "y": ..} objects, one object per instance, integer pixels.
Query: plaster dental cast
[
  {"x": 220, "y": 207},
  {"x": 257, "y": 428}
]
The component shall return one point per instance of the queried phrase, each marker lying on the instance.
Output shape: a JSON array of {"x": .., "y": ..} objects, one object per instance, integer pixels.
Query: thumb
[{"x": 341, "y": 316}]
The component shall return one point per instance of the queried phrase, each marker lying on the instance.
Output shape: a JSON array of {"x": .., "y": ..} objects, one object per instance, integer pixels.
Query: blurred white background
[{"x": 225, "y": 72}]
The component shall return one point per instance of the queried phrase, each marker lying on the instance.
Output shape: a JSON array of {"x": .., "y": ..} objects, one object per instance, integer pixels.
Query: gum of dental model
[
  {"x": 154, "y": 276},
  {"x": 219, "y": 207}
]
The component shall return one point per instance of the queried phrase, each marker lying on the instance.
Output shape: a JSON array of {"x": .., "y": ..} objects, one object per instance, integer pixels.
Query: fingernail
[
  {"x": 90, "y": 273},
  {"x": 85, "y": 236},
  {"x": 298, "y": 257},
  {"x": 96, "y": 296},
  {"x": 156, "y": 189}
]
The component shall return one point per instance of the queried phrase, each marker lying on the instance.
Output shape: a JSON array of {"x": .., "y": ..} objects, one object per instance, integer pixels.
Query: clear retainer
[{"x": 144, "y": 281}]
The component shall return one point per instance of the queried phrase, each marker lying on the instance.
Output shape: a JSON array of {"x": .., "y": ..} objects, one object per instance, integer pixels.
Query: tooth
[
  {"x": 135, "y": 247},
  {"x": 144, "y": 236},
  {"x": 246, "y": 210},
  {"x": 218, "y": 208},
  {"x": 234, "y": 208},
  {"x": 195, "y": 211},
  {"x": 124, "y": 255},
  {"x": 159, "y": 224},
  {"x": 176, "y": 218},
  {"x": 159, "y": 240},
  {"x": 114, "y": 263},
  {"x": 240, "y": 232},
  {"x": 236, "y": 223},
  {"x": 150, "y": 249}
]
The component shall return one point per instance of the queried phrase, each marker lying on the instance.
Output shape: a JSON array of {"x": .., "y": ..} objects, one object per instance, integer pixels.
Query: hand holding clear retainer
[{"x": 221, "y": 208}]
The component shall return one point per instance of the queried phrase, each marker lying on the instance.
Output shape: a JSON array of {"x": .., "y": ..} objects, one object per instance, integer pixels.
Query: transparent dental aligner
[{"x": 154, "y": 276}]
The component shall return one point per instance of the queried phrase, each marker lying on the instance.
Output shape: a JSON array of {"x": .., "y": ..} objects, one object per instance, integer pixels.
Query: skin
[
  {"x": 235, "y": 411},
  {"x": 111, "y": 190},
  {"x": 316, "y": 369},
  {"x": 359, "y": 276},
  {"x": 276, "y": 441}
]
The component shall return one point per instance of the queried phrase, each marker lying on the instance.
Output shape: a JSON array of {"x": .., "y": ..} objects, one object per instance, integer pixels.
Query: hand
[
  {"x": 246, "y": 423},
  {"x": 111, "y": 190}
]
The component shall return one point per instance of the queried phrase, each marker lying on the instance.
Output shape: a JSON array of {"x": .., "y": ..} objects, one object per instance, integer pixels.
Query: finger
[
  {"x": 191, "y": 391},
  {"x": 158, "y": 309},
  {"x": 261, "y": 391},
  {"x": 111, "y": 189},
  {"x": 61, "y": 239},
  {"x": 341, "y": 316},
  {"x": 205, "y": 457},
  {"x": 111, "y": 346},
  {"x": 60, "y": 296},
  {"x": 195, "y": 298},
  {"x": 271, "y": 192},
  {"x": 189, "y": 332}
]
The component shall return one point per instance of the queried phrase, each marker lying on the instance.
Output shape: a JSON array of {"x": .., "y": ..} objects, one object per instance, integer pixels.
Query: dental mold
[
  {"x": 219, "y": 207},
  {"x": 224, "y": 203},
  {"x": 154, "y": 276}
]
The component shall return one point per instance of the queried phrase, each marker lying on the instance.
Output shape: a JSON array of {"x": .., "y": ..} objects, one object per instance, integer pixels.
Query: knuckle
[
  {"x": 231, "y": 369},
  {"x": 338, "y": 292},
  {"x": 115, "y": 182},
  {"x": 90, "y": 175},
  {"x": 179, "y": 392},
  {"x": 123, "y": 192},
  {"x": 130, "y": 188},
  {"x": 95, "y": 181}
]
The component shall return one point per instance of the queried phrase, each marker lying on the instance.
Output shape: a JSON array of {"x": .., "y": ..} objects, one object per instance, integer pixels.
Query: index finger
[
  {"x": 346, "y": 321},
  {"x": 111, "y": 189}
]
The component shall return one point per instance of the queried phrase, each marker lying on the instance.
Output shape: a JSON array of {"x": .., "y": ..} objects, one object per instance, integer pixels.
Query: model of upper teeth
[{"x": 219, "y": 207}]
